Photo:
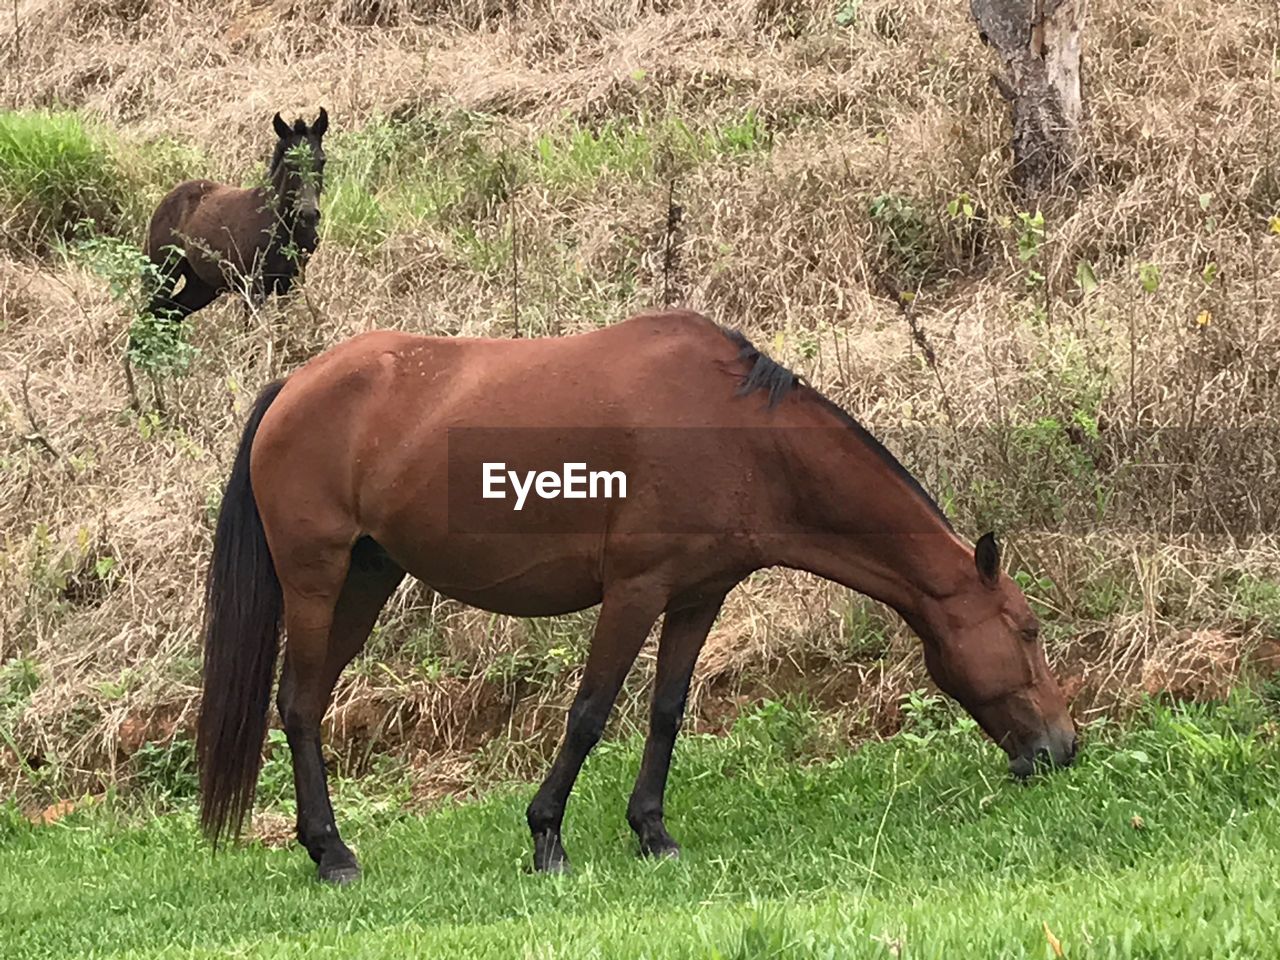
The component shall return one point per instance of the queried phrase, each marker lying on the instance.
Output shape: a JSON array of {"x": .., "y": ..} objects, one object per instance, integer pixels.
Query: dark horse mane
[{"x": 777, "y": 381}]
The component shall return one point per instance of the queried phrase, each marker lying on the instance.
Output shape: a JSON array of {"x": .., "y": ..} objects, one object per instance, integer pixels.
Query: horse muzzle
[
  {"x": 306, "y": 204},
  {"x": 1055, "y": 749}
]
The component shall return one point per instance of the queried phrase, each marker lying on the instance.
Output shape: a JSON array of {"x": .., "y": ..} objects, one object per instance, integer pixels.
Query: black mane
[{"x": 767, "y": 374}]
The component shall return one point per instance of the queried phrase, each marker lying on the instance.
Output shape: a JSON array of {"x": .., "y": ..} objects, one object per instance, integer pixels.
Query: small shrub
[
  {"x": 1103, "y": 597},
  {"x": 19, "y": 678},
  {"x": 903, "y": 243},
  {"x": 157, "y": 345},
  {"x": 168, "y": 771},
  {"x": 776, "y": 729},
  {"x": 275, "y": 782},
  {"x": 929, "y": 716},
  {"x": 847, "y": 15}
]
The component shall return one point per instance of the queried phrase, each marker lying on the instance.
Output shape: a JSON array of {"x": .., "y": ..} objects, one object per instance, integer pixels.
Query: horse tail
[{"x": 242, "y": 612}]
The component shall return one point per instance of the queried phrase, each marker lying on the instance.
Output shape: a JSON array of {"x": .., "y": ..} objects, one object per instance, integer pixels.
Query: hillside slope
[{"x": 1097, "y": 380}]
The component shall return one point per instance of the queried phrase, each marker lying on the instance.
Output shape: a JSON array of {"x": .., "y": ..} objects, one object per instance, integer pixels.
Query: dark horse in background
[
  {"x": 366, "y": 464},
  {"x": 208, "y": 237}
]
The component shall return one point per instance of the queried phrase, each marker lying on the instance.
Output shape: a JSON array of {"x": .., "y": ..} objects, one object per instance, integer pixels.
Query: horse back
[
  {"x": 370, "y": 437},
  {"x": 374, "y": 415},
  {"x": 654, "y": 369},
  {"x": 172, "y": 214},
  {"x": 224, "y": 224}
]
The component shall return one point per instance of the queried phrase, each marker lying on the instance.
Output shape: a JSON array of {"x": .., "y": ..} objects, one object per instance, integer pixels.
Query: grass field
[{"x": 1163, "y": 841}]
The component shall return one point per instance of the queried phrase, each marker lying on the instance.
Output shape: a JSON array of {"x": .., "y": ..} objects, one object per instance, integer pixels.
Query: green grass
[
  {"x": 453, "y": 170},
  {"x": 920, "y": 844},
  {"x": 54, "y": 172},
  {"x": 393, "y": 174},
  {"x": 1256, "y": 600},
  {"x": 59, "y": 169},
  {"x": 635, "y": 151}
]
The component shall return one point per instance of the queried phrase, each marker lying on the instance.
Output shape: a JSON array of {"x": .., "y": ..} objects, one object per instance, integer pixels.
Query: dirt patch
[
  {"x": 157, "y": 724},
  {"x": 273, "y": 830}
]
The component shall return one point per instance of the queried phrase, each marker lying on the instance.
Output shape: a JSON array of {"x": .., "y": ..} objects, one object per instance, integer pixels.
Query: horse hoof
[
  {"x": 664, "y": 849},
  {"x": 553, "y": 866},
  {"x": 553, "y": 861},
  {"x": 548, "y": 854},
  {"x": 342, "y": 875}
]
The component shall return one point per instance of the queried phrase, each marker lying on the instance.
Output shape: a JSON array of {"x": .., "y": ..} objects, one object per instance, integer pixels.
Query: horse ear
[
  {"x": 986, "y": 556},
  {"x": 281, "y": 128},
  {"x": 322, "y": 123}
]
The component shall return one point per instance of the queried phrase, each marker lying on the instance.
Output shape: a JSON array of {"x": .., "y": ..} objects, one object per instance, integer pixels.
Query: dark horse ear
[
  {"x": 986, "y": 555},
  {"x": 321, "y": 124},
  {"x": 281, "y": 128}
]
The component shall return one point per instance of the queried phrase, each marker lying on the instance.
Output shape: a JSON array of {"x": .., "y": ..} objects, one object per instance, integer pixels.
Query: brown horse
[
  {"x": 206, "y": 237},
  {"x": 390, "y": 453}
]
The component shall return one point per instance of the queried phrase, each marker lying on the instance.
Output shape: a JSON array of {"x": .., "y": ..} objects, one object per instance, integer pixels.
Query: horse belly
[{"x": 516, "y": 575}]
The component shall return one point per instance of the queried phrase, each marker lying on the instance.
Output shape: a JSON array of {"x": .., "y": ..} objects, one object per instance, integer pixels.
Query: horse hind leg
[{"x": 323, "y": 636}]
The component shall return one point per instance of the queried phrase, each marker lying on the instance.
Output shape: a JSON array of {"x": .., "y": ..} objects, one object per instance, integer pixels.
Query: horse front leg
[
  {"x": 627, "y": 613},
  {"x": 684, "y": 631}
]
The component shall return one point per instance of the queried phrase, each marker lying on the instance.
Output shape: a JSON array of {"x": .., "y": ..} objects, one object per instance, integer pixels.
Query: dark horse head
[
  {"x": 982, "y": 647},
  {"x": 205, "y": 238},
  {"x": 297, "y": 165}
]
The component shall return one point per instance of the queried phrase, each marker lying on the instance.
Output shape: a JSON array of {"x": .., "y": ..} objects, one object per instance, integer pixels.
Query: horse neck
[{"x": 860, "y": 521}]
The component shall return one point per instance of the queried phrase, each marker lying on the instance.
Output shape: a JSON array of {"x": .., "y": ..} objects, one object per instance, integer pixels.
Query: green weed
[
  {"x": 166, "y": 772},
  {"x": 453, "y": 172},
  {"x": 158, "y": 345},
  {"x": 864, "y": 628},
  {"x": 1257, "y": 600},
  {"x": 903, "y": 241}
]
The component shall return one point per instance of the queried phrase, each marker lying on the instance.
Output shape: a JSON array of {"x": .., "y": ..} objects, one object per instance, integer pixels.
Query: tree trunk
[{"x": 1040, "y": 42}]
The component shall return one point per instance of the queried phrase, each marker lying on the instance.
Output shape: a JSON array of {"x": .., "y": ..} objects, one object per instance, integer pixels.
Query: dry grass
[{"x": 1156, "y": 589}]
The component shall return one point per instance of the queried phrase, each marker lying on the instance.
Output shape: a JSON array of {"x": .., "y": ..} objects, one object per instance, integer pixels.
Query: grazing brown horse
[
  {"x": 391, "y": 454},
  {"x": 208, "y": 237}
]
